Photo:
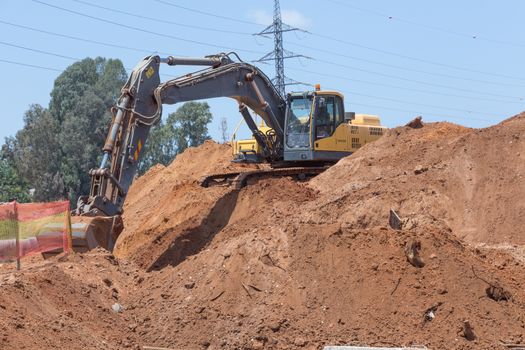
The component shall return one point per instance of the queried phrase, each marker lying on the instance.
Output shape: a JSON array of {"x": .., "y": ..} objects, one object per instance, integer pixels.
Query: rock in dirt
[
  {"x": 394, "y": 220},
  {"x": 468, "y": 331},
  {"x": 415, "y": 123},
  {"x": 498, "y": 293},
  {"x": 117, "y": 307},
  {"x": 412, "y": 249},
  {"x": 275, "y": 326},
  {"x": 420, "y": 169}
]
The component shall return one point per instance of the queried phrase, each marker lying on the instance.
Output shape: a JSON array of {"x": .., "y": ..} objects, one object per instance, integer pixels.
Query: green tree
[
  {"x": 81, "y": 140},
  {"x": 36, "y": 153},
  {"x": 161, "y": 147},
  {"x": 71, "y": 85},
  {"x": 11, "y": 184},
  {"x": 81, "y": 101},
  {"x": 187, "y": 127},
  {"x": 57, "y": 147},
  {"x": 190, "y": 124}
]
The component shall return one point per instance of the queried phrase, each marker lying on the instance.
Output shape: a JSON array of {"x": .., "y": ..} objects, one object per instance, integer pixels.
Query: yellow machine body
[
  {"x": 248, "y": 150},
  {"x": 347, "y": 133},
  {"x": 350, "y": 136}
]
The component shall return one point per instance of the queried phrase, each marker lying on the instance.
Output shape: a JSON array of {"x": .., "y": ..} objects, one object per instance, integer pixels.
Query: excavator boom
[{"x": 140, "y": 107}]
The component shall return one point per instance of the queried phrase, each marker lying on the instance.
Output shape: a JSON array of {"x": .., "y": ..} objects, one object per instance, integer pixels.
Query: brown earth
[
  {"x": 65, "y": 303},
  {"x": 170, "y": 200},
  {"x": 470, "y": 180},
  {"x": 282, "y": 264}
]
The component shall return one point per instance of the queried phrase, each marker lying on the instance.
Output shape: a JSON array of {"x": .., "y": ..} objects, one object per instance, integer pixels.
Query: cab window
[
  {"x": 325, "y": 121},
  {"x": 298, "y": 121}
]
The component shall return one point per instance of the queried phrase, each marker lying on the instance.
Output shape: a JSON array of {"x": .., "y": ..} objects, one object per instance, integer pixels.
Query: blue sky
[{"x": 460, "y": 61}]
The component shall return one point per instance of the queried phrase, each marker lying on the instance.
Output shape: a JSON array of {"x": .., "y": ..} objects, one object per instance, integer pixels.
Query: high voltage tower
[{"x": 279, "y": 54}]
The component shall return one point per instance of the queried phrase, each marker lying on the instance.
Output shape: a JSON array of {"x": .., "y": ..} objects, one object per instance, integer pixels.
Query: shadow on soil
[{"x": 192, "y": 241}]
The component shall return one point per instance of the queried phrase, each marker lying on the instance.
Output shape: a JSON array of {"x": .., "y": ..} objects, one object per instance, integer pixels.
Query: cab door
[{"x": 329, "y": 127}]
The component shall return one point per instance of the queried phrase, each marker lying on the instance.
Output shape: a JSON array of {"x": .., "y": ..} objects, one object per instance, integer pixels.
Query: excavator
[
  {"x": 364, "y": 127},
  {"x": 303, "y": 133}
]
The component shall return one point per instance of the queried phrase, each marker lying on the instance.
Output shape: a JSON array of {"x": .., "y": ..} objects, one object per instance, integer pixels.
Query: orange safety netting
[{"x": 31, "y": 228}]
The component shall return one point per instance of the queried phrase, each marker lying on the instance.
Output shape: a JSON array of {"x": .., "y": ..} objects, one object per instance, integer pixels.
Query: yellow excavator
[
  {"x": 358, "y": 130},
  {"x": 302, "y": 134}
]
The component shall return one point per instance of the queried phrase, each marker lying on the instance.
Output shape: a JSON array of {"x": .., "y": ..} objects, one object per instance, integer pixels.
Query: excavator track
[
  {"x": 240, "y": 179},
  {"x": 221, "y": 179}
]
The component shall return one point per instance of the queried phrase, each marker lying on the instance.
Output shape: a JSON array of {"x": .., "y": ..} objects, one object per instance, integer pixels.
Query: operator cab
[{"x": 316, "y": 129}]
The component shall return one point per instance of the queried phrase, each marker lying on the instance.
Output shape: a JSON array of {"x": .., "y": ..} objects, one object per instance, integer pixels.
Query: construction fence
[{"x": 32, "y": 228}]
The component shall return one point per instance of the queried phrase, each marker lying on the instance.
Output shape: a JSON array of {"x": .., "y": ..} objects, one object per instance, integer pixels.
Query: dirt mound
[
  {"x": 308, "y": 285},
  {"x": 465, "y": 179},
  {"x": 282, "y": 264},
  {"x": 170, "y": 200},
  {"x": 67, "y": 303}
]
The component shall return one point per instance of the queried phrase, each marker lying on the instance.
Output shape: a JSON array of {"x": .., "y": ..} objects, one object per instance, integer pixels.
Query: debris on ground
[
  {"x": 415, "y": 123},
  {"x": 468, "y": 332},
  {"x": 412, "y": 249}
]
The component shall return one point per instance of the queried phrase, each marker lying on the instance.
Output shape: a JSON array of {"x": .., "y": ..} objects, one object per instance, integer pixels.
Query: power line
[
  {"x": 81, "y": 39},
  {"x": 350, "y": 93},
  {"x": 78, "y": 39},
  {"x": 423, "y": 25},
  {"x": 353, "y": 103},
  {"x": 39, "y": 51},
  {"x": 144, "y": 30},
  {"x": 391, "y": 53},
  {"x": 63, "y": 56},
  {"x": 403, "y": 68},
  {"x": 208, "y": 13},
  {"x": 417, "y": 103},
  {"x": 346, "y": 42},
  {"x": 207, "y": 44},
  {"x": 348, "y": 79},
  {"x": 215, "y": 30},
  {"x": 29, "y": 65},
  {"x": 424, "y": 113},
  {"x": 418, "y": 81},
  {"x": 128, "y": 69},
  {"x": 144, "y": 50}
]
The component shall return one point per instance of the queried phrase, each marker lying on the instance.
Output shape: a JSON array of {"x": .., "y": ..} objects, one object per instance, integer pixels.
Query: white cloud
[
  {"x": 262, "y": 17},
  {"x": 293, "y": 18}
]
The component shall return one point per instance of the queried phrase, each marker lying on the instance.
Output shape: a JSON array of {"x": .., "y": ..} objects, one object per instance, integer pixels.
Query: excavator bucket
[{"x": 88, "y": 233}]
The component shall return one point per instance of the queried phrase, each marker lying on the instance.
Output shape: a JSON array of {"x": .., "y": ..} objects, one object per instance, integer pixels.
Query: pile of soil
[
  {"x": 316, "y": 287},
  {"x": 282, "y": 264},
  {"x": 467, "y": 179},
  {"x": 169, "y": 200},
  {"x": 66, "y": 303}
]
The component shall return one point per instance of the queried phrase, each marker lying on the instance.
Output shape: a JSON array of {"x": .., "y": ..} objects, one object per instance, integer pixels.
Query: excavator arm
[{"x": 140, "y": 107}]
